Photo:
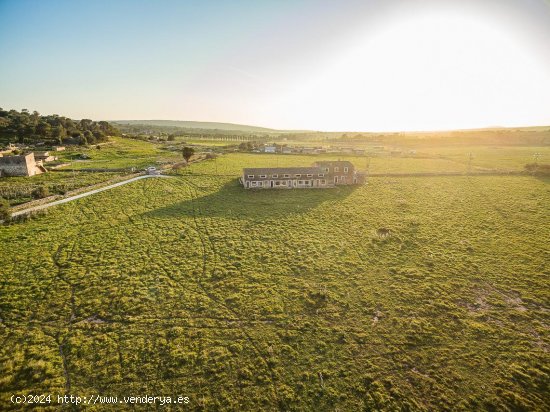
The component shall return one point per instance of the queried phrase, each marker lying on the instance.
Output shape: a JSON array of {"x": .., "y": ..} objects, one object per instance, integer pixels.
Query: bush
[
  {"x": 211, "y": 156},
  {"x": 40, "y": 192},
  {"x": 5, "y": 212}
]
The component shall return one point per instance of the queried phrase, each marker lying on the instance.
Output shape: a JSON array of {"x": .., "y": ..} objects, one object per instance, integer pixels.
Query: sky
[{"x": 369, "y": 65}]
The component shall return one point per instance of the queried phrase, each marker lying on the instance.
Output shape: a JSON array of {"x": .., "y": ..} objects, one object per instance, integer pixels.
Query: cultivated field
[{"x": 287, "y": 300}]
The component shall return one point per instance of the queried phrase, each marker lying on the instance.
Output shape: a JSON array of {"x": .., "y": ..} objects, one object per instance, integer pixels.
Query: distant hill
[{"x": 197, "y": 125}]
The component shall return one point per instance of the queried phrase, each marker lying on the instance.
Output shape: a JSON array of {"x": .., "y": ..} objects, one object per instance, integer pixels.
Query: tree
[
  {"x": 85, "y": 124},
  {"x": 43, "y": 129},
  {"x": 34, "y": 128},
  {"x": 89, "y": 136},
  {"x": 59, "y": 133},
  {"x": 187, "y": 153},
  {"x": 5, "y": 212}
]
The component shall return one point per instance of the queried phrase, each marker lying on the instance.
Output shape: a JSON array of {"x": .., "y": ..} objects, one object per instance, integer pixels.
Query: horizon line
[{"x": 343, "y": 131}]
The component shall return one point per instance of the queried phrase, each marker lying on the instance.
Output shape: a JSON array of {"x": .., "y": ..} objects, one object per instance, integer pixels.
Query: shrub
[
  {"x": 5, "y": 213},
  {"x": 40, "y": 192}
]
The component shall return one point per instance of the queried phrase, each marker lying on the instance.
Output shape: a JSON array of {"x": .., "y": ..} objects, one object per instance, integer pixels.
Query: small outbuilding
[
  {"x": 24, "y": 165},
  {"x": 44, "y": 157}
]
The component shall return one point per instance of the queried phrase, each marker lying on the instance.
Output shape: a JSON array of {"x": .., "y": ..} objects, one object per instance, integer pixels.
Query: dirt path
[{"x": 81, "y": 195}]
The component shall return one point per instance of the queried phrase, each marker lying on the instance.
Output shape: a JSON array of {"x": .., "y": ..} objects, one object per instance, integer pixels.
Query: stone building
[
  {"x": 24, "y": 165},
  {"x": 323, "y": 174}
]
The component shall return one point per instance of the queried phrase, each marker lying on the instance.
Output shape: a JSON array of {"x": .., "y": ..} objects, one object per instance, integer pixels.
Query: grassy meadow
[
  {"x": 18, "y": 190},
  {"x": 113, "y": 159},
  {"x": 118, "y": 153},
  {"x": 286, "y": 300}
]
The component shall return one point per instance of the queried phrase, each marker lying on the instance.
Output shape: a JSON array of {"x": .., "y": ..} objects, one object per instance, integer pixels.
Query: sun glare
[{"x": 423, "y": 72}]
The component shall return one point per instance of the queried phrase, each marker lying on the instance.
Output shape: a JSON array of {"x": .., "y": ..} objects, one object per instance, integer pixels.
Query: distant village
[
  {"x": 317, "y": 150},
  {"x": 312, "y": 149}
]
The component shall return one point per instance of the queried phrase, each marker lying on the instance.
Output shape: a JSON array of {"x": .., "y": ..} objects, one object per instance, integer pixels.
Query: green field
[
  {"x": 18, "y": 190},
  {"x": 286, "y": 300},
  {"x": 119, "y": 153},
  {"x": 114, "y": 159}
]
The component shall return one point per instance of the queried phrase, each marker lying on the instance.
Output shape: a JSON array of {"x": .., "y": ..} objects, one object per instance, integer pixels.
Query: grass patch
[{"x": 285, "y": 300}]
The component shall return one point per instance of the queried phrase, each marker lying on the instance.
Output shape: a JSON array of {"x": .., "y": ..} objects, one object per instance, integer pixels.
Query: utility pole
[{"x": 470, "y": 157}]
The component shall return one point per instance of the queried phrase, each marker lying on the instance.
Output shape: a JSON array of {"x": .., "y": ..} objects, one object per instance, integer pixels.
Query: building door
[{"x": 335, "y": 179}]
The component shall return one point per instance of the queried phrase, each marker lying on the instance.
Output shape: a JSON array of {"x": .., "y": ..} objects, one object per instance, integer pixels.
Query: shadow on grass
[{"x": 234, "y": 202}]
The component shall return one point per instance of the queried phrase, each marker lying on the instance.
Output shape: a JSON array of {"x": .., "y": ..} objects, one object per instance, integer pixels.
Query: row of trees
[{"x": 32, "y": 128}]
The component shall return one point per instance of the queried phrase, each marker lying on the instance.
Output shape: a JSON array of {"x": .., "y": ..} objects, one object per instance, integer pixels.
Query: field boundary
[
  {"x": 429, "y": 174},
  {"x": 390, "y": 174},
  {"x": 81, "y": 195}
]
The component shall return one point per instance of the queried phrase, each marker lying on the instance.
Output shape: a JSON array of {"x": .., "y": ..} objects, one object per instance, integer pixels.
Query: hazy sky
[{"x": 323, "y": 65}]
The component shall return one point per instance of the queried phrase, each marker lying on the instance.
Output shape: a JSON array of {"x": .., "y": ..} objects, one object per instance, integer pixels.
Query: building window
[
  {"x": 286, "y": 175},
  {"x": 321, "y": 175},
  {"x": 326, "y": 169},
  {"x": 250, "y": 176},
  {"x": 263, "y": 176},
  {"x": 297, "y": 175},
  {"x": 323, "y": 182},
  {"x": 345, "y": 169},
  {"x": 336, "y": 169},
  {"x": 309, "y": 175},
  {"x": 274, "y": 176}
]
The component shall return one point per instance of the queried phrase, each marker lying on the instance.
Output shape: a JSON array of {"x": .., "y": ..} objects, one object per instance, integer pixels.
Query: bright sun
[{"x": 425, "y": 72}]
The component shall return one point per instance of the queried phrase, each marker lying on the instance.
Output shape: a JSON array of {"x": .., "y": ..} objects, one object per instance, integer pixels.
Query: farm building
[
  {"x": 323, "y": 174},
  {"x": 24, "y": 165}
]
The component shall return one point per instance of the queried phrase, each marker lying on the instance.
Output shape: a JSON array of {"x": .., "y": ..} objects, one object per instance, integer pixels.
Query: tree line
[{"x": 31, "y": 128}]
